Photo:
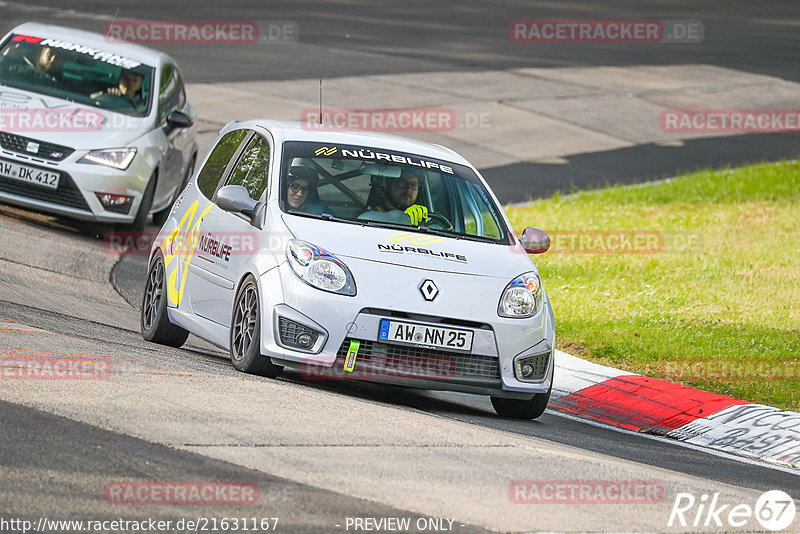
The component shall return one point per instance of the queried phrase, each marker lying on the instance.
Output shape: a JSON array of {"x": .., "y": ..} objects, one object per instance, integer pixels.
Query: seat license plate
[
  {"x": 31, "y": 175},
  {"x": 425, "y": 336}
]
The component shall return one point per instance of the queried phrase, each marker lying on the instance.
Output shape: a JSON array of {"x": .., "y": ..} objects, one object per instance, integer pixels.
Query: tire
[
  {"x": 160, "y": 217},
  {"x": 154, "y": 323},
  {"x": 140, "y": 220},
  {"x": 245, "y": 333},
  {"x": 522, "y": 409}
]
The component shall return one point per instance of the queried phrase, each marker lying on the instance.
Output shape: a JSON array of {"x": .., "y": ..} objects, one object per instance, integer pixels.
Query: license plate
[
  {"x": 425, "y": 336},
  {"x": 29, "y": 174}
]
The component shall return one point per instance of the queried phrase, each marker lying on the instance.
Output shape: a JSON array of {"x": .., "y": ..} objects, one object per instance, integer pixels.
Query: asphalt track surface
[{"x": 361, "y": 38}]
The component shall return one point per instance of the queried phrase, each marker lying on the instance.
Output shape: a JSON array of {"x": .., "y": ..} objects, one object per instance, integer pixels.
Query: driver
[
  {"x": 128, "y": 87},
  {"x": 401, "y": 194}
]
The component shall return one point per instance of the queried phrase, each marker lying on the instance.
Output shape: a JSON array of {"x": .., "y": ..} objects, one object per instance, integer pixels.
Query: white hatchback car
[
  {"x": 353, "y": 255},
  {"x": 91, "y": 129}
]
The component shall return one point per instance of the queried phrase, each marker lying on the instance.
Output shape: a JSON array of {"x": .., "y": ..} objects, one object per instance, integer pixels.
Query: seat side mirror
[{"x": 179, "y": 119}]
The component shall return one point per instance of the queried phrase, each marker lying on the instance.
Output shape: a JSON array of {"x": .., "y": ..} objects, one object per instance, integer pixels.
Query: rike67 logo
[{"x": 774, "y": 510}]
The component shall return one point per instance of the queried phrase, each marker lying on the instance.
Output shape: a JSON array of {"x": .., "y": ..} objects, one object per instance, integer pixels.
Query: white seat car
[
  {"x": 91, "y": 129},
  {"x": 353, "y": 255}
]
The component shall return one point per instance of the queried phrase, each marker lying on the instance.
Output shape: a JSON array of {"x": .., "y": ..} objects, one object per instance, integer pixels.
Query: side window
[
  {"x": 168, "y": 92},
  {"x": 181, "y": 91},
  {"x": 212, "y": 171},
  {"x": 253, "y": 167}
]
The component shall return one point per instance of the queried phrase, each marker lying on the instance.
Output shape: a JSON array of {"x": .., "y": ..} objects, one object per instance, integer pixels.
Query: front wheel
[
  {"x": 155, "y": 325},
  {"x": 245, "y": 336},
  {"x": 521, "y": 408}
]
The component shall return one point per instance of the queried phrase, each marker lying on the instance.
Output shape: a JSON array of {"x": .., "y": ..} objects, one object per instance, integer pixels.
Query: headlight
[
  {"x": 522, "y": 297},
  {"x": 319, "y": 268},
  {"x": 119, "y": 158}
]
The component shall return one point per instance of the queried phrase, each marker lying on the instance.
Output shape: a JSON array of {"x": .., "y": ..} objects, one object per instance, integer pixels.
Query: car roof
[
  {"x": 142, "y": 54},
  {"x": 297, "y": 131}
]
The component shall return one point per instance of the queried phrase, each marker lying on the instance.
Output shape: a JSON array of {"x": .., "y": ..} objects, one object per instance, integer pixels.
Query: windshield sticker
[
  {"x": 325, "y": 151},
  {"x": 366, "y": 153},
  {"x": 99, "y": 55}
]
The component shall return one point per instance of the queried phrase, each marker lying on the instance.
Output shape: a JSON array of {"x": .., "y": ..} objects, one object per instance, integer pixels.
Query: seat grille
[{"x": 45, "y": 150}]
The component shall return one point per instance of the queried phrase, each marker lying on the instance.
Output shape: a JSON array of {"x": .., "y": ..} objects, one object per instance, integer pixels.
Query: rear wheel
[
  {"x": 522, "y": 408},
  {"x": 155, "y": 325},
  {"x": 245, "y": 336}
]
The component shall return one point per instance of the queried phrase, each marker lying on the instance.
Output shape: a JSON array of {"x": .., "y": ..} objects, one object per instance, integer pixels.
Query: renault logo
[{"x": 428, "y": 290}]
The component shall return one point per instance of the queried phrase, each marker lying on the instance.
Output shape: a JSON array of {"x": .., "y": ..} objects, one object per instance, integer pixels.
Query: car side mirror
[
  {"x": 235, "y": 199},
  {"x": 535, "y": 240},
  {"x": 179, "y": 119}
]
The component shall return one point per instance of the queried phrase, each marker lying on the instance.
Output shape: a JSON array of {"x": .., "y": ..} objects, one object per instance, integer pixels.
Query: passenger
[
  {"x": 47, "y": 66},
  {"x": 300, "y": 192},
  {"x": 398, "y": 194}
]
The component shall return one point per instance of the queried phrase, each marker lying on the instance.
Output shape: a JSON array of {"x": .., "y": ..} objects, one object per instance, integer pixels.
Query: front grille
[
  {"x": 67, "y": 193},
  {"x": 400, "y": 360},
  {"x": 19, "y": 144},
  {"x": 289, "y": 330}
]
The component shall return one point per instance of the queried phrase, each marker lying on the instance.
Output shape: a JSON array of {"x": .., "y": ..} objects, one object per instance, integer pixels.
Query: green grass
[{"x": 718, "y": 307}]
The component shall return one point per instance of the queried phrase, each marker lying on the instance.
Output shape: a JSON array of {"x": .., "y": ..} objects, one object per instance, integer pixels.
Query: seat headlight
[
  {"x": 319, "y": 268},
  {"x": 522, "y": 297},
  {"x": 119, "y": 158}
]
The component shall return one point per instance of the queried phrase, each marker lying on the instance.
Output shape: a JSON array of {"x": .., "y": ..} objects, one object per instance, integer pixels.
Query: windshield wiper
[{"x": 326, "y": 217}]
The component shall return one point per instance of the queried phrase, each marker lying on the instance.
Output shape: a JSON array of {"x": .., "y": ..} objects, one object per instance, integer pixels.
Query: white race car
[
  {"x": 91, "y": 129},
  {"x": 353, "y": 255}
]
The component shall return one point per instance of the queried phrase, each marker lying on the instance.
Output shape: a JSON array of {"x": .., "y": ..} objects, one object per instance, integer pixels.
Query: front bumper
[
  {"x": 334, "y": 321},
  {"x": 78, "y": 182}
]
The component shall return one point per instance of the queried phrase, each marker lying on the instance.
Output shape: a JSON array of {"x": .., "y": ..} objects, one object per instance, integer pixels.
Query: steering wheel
[{"x": 441, "y": 218}]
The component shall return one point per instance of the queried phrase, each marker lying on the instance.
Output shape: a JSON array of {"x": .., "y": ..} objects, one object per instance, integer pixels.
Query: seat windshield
[
  {"x": 386, "y": 188},
  {"x": 83, "y": 74}
]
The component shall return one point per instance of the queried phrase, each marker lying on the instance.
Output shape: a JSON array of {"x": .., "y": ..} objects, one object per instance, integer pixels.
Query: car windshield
[
  {"x": 78, "y": 73},
  {"x": 387, "y": 188}
]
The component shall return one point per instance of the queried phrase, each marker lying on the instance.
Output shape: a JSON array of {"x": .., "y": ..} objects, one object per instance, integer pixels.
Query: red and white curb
[{"x": 652, "y": 406}]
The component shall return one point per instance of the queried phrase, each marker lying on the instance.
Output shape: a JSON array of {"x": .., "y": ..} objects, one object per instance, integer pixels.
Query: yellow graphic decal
[
  {"x": 350, "y": 359},
  {"x": 180, "y": 243},
  {"x": 325, "y": 151},
  {"x": 416, "y": 240}
]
